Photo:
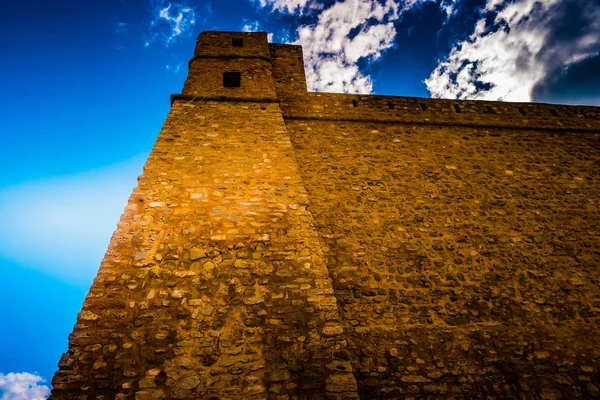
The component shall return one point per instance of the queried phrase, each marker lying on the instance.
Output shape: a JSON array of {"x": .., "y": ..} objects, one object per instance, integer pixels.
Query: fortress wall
[
  {"x": 214, "y": 285},
  {"x": 292, "y": 245},
  {"x": 446, "y": 112},
  {"x": 464, "y": 260}
]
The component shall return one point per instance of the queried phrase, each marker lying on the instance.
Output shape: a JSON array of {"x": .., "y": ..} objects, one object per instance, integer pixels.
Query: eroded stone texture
[
  {"x": 464, "y": 261},
  {"x": 292, "y": 245}
]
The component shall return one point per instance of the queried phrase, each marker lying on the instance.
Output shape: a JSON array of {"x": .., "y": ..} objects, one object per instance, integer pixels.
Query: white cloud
[
  {"x": 122, "y": 32},
  {"x": 285, "y": 36},
  {"x": 182, "y": 20},
  {"x": 251, "y": 27},
  {"x": 62, "y": 225},
  {"x": 449, "y": 6},
  {"x": 22, "y": 386},
  {"x": 174, "y": 68},
  {"x": 506, "y": 60},
  {"x": 170, "y": 21},
  {"x": 290, "y": 6},
  {"x": 121, "y": 28},
  {"x": 345, "y": 33}
]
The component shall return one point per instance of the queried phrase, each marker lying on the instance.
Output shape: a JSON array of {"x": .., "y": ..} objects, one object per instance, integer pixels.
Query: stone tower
[
  {"x": 283, "y": 244},
  {"x": 214, "y": 284}
]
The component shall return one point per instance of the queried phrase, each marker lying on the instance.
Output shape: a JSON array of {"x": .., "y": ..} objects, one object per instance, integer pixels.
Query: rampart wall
[
  {"x": 446, "y": 112},
  {"x": 462, "y": 239},
  {"x": 464, "y": 260},
  {"x": 283, "y": 244}
]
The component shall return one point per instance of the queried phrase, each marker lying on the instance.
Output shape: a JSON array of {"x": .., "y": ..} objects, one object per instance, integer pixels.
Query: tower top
[{"x": 232, "y": 44}]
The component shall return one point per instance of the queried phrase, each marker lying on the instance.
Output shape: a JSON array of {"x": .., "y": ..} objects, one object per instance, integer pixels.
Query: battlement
[{"x": 284, "y": 244}]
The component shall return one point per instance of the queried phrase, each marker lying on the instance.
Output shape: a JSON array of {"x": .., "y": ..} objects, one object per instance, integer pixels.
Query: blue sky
[{"x": 85, "y": 85}]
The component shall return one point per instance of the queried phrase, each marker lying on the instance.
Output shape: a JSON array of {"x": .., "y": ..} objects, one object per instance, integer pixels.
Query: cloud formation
[
  {"x": 448, "y": 6},
  {"x": 62, "y": 225},
  {"x": 174, "y": 68},
  {"x": 344, "y": 34},
  {"x": 121, "y": 28},
  {"x": 517, "y": 49},
  {"x": 22, "y": 386},
  {"x": 290, "y": 6},
  {"x": 251, "y": 26},
  {"x": 171, "y": 20}
]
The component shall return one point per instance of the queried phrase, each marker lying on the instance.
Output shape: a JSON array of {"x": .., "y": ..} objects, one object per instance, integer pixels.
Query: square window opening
[
  {"x": 237, "y": 42},
  {"x": 232, "y": 79}
]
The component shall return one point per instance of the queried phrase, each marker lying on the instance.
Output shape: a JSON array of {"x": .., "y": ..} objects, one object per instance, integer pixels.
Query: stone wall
[
  {"x": 464, "y": 260},
  {"x": 292, "y": 245},
  {"x": 214, "y": 285},
  {"x": 418, "y": 111},
  {"x": 212, "y": 44}
]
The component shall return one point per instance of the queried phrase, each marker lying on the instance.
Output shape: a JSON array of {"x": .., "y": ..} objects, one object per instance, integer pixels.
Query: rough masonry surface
[{"x": 283, "y": 244}]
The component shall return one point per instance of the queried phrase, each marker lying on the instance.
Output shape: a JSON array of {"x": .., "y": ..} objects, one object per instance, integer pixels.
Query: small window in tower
[
  {"x": 237, "y": 42},
  {"x": 232, "y": 79}
]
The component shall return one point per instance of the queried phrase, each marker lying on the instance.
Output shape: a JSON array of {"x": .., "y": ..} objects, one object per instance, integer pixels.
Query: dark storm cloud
[
  {"x": 574, "y": 22},
  {"x": 525, "y": 50},
  {"x": 577, "y": 84}
]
